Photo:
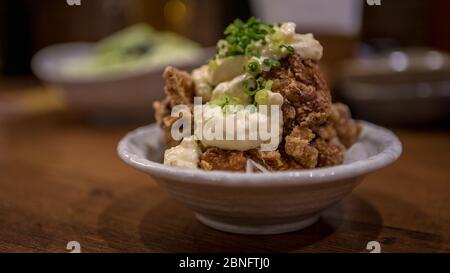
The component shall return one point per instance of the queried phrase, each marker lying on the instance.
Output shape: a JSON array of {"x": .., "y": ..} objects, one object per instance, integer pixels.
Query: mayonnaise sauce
[{"x": 185, "y": 155}]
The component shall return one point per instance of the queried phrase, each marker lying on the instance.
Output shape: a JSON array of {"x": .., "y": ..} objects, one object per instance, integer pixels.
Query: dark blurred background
[
  {"x": 27, "y": 25},
  {"x": 350, "y": 30}
]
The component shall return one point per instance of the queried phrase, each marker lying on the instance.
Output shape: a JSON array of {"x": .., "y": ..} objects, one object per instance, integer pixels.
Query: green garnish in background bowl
[{"x": 138, "y": 46}]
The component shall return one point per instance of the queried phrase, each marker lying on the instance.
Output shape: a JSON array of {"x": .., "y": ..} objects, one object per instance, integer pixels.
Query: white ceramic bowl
[
  {"x": 261, "y": 203},
  {"x": 128, "y": 94}
]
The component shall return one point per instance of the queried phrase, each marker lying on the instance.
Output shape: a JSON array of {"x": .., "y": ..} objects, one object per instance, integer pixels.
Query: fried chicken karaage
[{"x": 315, "y": 132}]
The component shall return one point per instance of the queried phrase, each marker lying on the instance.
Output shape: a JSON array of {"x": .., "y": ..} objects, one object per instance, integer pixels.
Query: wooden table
[{"x": 61, "y": 181}]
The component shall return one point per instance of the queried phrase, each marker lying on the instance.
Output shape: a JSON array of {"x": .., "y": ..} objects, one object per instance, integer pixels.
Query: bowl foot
[{"x": 257, "y": 229}]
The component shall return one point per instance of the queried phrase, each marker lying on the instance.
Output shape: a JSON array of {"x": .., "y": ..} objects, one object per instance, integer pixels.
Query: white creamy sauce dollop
[
  {"x": 213, "y": 115},
  {"x": 245, "y": 123},
  {"x": 185, "y": 155},
  {"x": 234, "y": 89},
  {"x": 305, "y": 45},
  {"x": 202, "y": 78}
]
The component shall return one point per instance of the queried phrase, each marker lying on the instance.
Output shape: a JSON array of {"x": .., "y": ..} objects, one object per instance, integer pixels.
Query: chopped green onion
[
  {"x": 268, "y": 85},
  {"x": 240, "y": 37},
  {"x": 272, "y": 63},
  {"x": 262, "y": 97},
  {"x": 251, "y": 50},
  {"x": 261, "y": 82},
  {"x": 222, "y": 101},
  {"x": 250, "y": 86},
  {"x": 253, "y": 67},
  {"x": 289, "y": 48}
]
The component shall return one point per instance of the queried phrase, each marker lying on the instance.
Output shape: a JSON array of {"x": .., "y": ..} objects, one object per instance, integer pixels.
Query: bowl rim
[{"x": 392, "y": 149}]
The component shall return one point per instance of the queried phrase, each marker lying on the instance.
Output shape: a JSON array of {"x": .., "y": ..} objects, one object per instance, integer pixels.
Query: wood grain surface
[{"x": 61, "y": 180}]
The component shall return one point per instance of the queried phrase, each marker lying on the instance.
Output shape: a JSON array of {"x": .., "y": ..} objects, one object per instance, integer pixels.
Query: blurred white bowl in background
[{"x": 126, "y": 94}]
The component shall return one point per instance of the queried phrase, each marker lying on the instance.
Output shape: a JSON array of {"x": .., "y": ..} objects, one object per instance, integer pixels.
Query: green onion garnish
[
  {"x": 253, "y": 67},
  {"x": 240, "y": 37},
  {"x": 268, "y": 85},
  {"x": 272, "y": 63},
  {"x": 289, "y": 48}
]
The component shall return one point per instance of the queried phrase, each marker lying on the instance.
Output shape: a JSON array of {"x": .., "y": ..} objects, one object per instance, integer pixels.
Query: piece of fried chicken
[{"x": 180, "y": 90}]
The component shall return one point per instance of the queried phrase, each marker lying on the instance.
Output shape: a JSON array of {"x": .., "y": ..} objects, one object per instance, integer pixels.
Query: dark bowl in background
[{"x": 409, "y": 87}]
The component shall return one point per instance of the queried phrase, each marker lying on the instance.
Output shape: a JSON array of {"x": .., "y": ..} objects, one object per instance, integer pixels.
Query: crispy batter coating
[
  {"x": 180, "y": 90},
  {"x": 217, "y": 159},
  {"x": 304, "y": 89},
  {"x": 330, "y": 153},
  {"x": 271, "y": 160},
  {"x": 179, "y": 86},
  {"x": 316, "y": 132},
  {"x": 346, "y": 128},
  {"x": 298, "y": 147}
]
